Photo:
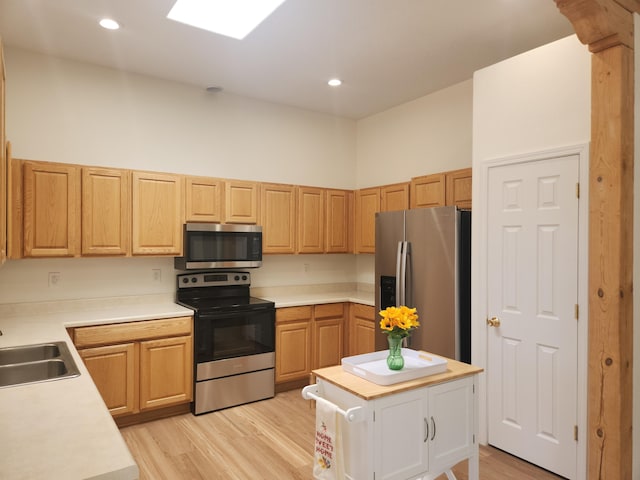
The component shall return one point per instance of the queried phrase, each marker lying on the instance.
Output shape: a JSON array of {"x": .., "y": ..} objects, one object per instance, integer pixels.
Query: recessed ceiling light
[
  {"x": 232, "y": 18},
  {"x": 109, "y": 24},
  {"x": 335, "y": 82}
]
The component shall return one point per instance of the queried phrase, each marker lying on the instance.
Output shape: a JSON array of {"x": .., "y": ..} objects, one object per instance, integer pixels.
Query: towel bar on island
[{"x": 354, "y": 414}]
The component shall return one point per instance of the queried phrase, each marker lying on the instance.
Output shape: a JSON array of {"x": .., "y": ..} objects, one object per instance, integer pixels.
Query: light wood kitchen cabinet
[
  {"x": 394, "y": 197},
  {"x": 362, "y": 329},
  {"x": 157, "y": 213},
  {"x": 293, "y": 343},
  {"x": 106, "y": 207},
  {"x": 51, "y": 209},
  {"x": 204, "y": 199},
  {"x": 113, "y": 370},
  {"x": 328, "y": 338},
  {"x": 367, "y": 204},
  {"x": 165, "y": 372},
  {"x": 241, "y": 202},
  {"x": 278, "y": 217},
  {"x": 428, "y": 191},
  {"x": 139, "y": 366},
  {"x": 4, "y": 198},
  {"x": 339, "y": 221},
  {"x": 458, "y": 188},
  {"x": 311, "y": 224}
]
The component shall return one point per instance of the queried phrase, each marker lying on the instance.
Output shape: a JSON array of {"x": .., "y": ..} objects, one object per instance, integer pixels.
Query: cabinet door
[
  {"x": 278, "y": 218},
  {"x": 458, "y": 188},
  {"x": 451, "y": 423},
  {"x": 51, "y": 224},
  {"x": 400, "y": 435},
  {"x": 394, "y": 197},
  {"x": 114, "y": 371},
  {"x": 166, "y": 372},
  {"x": 367, "y": 204},
  {"x": 157, "y": 214},
  {"x": 328, "y": 327},
  {"x": 362, "y": 329},
  {"x": 338, "y": 228},
  {"x": 241, "y": 202},
  {"x": 105, "y": 211},
  {"x": 311, "y": 211},
  {"x": 293, "y": 343},
  {"x": 428, "y": 191},
  {"x": 203, "y": 202}
]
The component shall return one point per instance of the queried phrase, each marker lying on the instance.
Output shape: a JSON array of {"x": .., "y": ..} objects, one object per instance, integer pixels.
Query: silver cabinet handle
[
  {"x": 433, "y": 430},
  {"x": 426, "y": 430}
]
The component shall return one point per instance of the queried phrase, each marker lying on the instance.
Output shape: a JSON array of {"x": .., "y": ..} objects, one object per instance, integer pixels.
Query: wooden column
[{"x": 607, "y": 27}]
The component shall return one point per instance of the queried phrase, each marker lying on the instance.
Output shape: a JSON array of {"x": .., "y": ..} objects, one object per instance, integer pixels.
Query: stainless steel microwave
[{"x": 212, "y": 245}]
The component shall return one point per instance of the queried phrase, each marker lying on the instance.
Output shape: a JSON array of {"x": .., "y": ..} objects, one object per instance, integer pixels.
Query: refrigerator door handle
[
  {"x": 402, "y": 295},
  {"x": 399, "y": 282}
]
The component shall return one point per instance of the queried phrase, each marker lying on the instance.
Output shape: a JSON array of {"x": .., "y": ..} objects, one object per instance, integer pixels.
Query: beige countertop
[
  {"x": 62, "y": 429},
  {"x": 293, "y": 296}
]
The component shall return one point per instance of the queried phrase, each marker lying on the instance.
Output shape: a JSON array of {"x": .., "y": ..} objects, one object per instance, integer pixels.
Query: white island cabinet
[{"x": 411, "y": 430}]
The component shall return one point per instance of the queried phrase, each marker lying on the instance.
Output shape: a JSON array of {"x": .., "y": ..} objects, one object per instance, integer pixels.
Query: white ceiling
[{"x": 387, "y": 52}]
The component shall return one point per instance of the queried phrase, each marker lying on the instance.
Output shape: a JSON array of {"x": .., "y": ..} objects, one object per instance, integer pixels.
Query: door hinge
[
  {"x": 575, "y": 432},
  {"x": 577, "y": 190},
  {"x": 374, "y": 415},
  {"x": 577, "y": 311},
  {"x": 474, "y": 438}
]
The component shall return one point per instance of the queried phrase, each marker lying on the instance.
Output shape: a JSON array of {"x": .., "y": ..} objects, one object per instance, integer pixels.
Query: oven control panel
[{"x": 213, "y": 279}]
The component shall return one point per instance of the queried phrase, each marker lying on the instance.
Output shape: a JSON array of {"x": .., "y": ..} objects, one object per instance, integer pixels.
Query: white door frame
[{"x": 479, "y": 276}]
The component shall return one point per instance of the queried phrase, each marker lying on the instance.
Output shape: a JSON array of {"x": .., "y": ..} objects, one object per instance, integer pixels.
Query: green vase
[{"x": 395, "y": 360}]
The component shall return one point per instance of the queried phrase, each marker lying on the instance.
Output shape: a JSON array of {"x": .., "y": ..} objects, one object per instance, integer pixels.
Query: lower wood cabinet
[
  {"x": 362, "y": 329},
  {"x": 139, "y": 366},
  {"x": 308, "y": 337}
]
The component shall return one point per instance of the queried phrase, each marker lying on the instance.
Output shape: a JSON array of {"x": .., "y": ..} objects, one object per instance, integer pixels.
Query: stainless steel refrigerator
[{"x": 423, "y": 260}]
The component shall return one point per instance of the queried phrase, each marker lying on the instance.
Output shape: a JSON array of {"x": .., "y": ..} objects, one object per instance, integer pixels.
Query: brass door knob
[{"x": 493, "y": 322}]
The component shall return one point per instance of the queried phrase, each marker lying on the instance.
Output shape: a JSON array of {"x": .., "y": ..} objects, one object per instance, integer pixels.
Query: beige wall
[{"x": 428, "y": 135}]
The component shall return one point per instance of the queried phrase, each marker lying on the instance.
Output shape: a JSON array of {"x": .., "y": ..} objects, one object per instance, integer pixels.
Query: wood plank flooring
[{"x": 268, "y": 440}]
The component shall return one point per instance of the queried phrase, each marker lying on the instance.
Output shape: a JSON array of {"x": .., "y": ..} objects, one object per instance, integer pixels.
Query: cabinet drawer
[
  {"x": 289, "y": 314},
  {"x": 329, "y": 310},
  {"x": 365, "y": 311},
  {"x": 126, "y": 332}
]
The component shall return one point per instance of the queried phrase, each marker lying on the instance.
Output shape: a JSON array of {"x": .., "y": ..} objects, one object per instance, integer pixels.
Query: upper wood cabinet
[
  {"x": 241, "y": 202},
  {"x": 157, "y": 213},
  {"x": 106, "y": 207},
  {"x": 278, "y": 217},
  {"x": 394, "y": 197},
  {"x": 428, "y": 191},
  {"x": 367, "y": 204},
  {"x": 311, "y": 224},
  {"x": 51, "y": 209},
  {"x": 339, "y": 221},
  {"x": 3, "y": 165},
  {"x": 440, "y": 189},
  {"x": 458, "y": 188},
  {"x": 204, "y": 199}
]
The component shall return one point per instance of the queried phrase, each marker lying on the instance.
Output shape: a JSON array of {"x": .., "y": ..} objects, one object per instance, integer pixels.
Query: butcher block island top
[{"x": 370, "y": 391}]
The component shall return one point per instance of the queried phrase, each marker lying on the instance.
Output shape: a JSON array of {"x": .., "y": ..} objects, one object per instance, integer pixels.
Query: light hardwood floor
[{"x": 268, "y": 440}]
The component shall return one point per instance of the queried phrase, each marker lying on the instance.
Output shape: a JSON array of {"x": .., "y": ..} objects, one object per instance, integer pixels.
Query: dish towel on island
[{"x": 328, "y": 464}]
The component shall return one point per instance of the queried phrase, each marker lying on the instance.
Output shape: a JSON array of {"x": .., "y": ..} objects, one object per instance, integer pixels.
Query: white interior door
[{"x": 532, "y": 289}]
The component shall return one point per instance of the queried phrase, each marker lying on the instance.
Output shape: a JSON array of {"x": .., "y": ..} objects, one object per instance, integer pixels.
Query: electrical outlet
[
  {"x": 157, "y": 274},
  {"x": 54, "y": 279},
  {"x": 306, "y": 267}
]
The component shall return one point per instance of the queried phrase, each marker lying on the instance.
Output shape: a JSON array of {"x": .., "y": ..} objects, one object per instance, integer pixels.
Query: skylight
[{"x": 232, "y": 18}]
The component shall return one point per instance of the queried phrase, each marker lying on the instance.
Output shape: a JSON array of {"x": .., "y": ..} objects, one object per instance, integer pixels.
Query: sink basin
[
  {"x": 29, "y": 353},
  {"x": 36, "y": 363}
]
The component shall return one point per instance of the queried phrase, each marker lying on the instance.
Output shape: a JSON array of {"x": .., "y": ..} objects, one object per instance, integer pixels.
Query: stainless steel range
[{"x": 234, "y": 340}]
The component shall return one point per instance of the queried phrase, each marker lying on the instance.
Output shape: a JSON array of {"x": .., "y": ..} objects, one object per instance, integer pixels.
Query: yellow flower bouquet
[{"x": 397, "y": 323}]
